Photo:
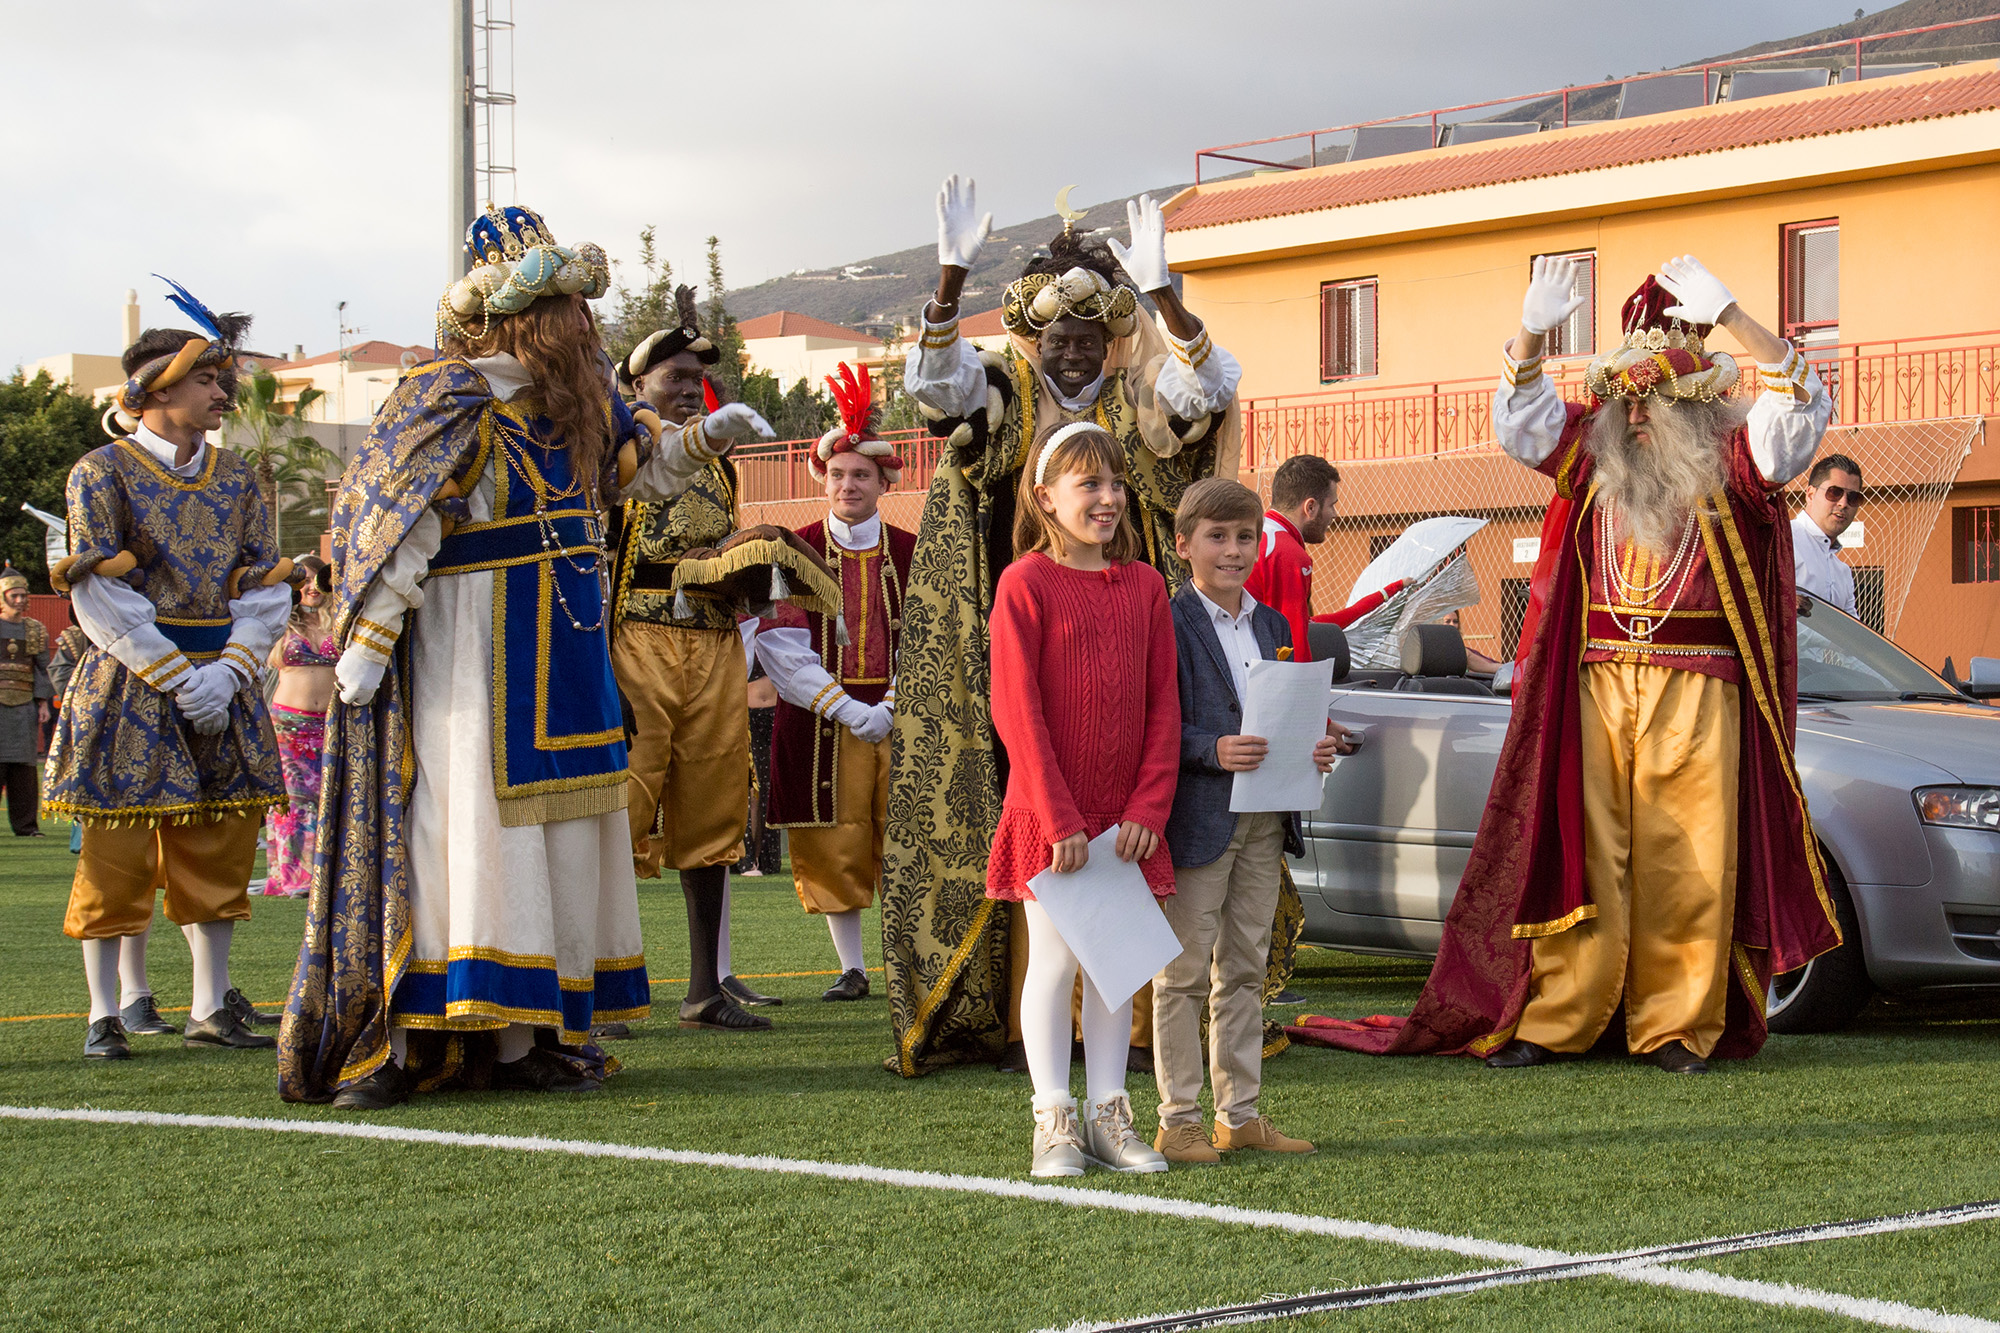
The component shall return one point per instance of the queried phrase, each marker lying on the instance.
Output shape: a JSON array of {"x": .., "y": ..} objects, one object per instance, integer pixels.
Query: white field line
[
  {"x": 1885, "y": 1313},
  {"x": 1644, "y": 1265}
]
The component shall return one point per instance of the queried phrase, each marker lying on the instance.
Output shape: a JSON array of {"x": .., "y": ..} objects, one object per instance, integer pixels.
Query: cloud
[{"x": 284, "y": 157}]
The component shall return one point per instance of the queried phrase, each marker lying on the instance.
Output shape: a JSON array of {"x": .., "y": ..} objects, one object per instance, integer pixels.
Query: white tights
[{"x": 1045, "y": 1014}]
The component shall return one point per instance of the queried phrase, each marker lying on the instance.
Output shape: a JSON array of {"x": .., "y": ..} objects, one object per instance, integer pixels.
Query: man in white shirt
[
  {"x": 837, "y": 692},
  {"x": 1833, "y": 498}
]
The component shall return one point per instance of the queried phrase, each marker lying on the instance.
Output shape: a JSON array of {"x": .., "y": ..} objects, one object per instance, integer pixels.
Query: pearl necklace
[{"x": 1642, "y": 628}]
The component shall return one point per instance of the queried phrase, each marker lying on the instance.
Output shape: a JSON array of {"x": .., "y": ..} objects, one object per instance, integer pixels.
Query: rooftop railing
[{"x": 1557, "y": 116}]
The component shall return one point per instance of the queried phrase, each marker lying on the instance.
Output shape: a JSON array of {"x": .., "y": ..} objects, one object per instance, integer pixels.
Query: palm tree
[{"x": 291, "y": 465}]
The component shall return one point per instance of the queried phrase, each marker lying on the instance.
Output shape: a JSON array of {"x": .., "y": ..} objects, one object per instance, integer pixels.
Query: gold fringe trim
[
  {"x": 550, "y": 807},
  {"x": 920, "y": 1025},
  {"x": 820, "y": 594},
  {"x": 1536, "y": 930},
  {"x": 201, "y": 812}
]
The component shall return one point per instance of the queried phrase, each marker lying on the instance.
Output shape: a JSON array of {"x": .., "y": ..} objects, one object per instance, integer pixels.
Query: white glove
[
  {"x": 858, "y": 718},
  {"x": 1701, "y": 294},
  {"x": 1550, "y": 299},
  {"x": 1146, "y": 261},
  {"x": 358, "y": 674},
  {"x": 962, "y": 230},
  {"x": 876, "y": 726},
  {"x": 736, "y": 422},
  {"x": 204, "y": 700}
]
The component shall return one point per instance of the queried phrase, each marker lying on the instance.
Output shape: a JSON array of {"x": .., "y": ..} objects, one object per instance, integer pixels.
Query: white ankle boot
[
  {"x": 1108, "y": 1138},
  {"x": 1058, "y": 1146}
]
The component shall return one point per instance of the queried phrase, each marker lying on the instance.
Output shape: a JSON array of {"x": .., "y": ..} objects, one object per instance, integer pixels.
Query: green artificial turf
[{"x": 165, "y": 1228}]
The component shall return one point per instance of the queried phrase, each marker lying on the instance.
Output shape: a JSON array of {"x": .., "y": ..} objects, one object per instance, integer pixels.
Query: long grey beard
[{"x": 1652, "y": 487}]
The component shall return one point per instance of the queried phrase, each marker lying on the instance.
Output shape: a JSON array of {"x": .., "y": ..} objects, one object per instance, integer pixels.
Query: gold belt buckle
[{"x": 1642, "y": 629}]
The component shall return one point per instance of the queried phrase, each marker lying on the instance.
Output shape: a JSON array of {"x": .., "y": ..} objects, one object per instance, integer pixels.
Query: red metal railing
[
  {"x": 1226, "y": 152},
  {"x": 1909, "y": 379},
  {"x": 1904, "y": 379}
]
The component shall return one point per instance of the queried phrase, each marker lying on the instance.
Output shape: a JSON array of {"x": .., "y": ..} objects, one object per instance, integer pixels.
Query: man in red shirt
[{"x": 1302, "y": 500}]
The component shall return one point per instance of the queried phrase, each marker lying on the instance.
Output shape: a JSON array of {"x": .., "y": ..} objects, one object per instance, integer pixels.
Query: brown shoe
[
  {"x": 1186, "y": 1143},
  {"x": 1259, "y": 1133}
]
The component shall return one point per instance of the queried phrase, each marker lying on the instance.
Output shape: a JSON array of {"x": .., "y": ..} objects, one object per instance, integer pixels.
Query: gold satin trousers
[
  {"x": 1660, "y": 757},
  {"x": 204, "y": 868}
]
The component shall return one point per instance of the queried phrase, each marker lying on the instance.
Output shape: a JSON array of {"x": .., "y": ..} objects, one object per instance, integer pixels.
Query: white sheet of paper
[
  {"x": 1107, "y": 915},
  {"x": 1287, "y": 707}
]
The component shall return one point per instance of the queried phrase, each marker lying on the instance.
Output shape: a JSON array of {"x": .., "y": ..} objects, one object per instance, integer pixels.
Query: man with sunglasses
[{"x": 1833, "y": 498}]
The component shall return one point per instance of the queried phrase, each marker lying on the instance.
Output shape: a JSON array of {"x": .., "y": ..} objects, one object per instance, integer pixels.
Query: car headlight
[{"x": 1959, "y": 807}]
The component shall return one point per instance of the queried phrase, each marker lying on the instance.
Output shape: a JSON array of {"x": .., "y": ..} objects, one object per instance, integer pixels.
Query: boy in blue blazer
[{"x": 1226, "y": 866}]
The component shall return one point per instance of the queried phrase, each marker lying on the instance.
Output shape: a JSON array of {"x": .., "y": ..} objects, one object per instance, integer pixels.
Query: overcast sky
[{"x": 282, "y": 157}]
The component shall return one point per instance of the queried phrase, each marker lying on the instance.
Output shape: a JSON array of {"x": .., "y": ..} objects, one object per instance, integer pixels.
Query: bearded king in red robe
[{"x": 1646, "y": 847}]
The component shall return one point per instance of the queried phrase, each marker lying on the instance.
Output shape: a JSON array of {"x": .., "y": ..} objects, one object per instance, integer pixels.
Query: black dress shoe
[
  {"x": 384, "y": 1088},
  {"x": 1138, "y": 1060},
  {"x": 1678, "y": 1059},
  {"x": 142, "y": 1018},
  {"x": 1013, "y": 1059},
  {"x": 541, "y": 1070},
  {"x": 1287, "y": 996},
  {"x": 853, "y": 985},
  {"x": 106, "y": 1040},
  {"x": 236, "y": 1002},
  {"x": 733, "y": 987},
  {"x": 610, "y": 1031},
  {"x": 719, "y": 1013},
  {"x": 224, "y": 1028},
  {"x": 1522, "y": 1055}
]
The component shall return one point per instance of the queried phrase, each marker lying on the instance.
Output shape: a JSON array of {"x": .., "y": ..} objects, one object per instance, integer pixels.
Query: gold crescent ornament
[{"x": 1069, "y": 215}]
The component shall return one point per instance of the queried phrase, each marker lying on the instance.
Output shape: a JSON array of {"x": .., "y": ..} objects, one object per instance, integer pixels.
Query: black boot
[
  {"x": 853, "y": 985},
  {"x": 384, "y": 1088},
  {"x": 1676, "y": 1058},
  {"x": 733, "y": 987},
  {"x": 1522, "y": 1055},
  {"x": 236, "y": 1002}
]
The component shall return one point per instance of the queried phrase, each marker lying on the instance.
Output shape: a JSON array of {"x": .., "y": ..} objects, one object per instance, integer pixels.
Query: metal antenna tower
[{"x": 493, "y": 100}]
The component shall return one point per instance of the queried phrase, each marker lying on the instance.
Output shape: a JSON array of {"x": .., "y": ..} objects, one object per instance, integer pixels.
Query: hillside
[{"x": 891, "y": 288}]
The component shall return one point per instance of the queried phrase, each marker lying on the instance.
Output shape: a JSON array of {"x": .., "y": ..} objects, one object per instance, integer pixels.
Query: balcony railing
[
  {"x": 1908, "y": 379},
  {"x": 1911, "y": 379},
  {"x": 1305, "y": 151}
]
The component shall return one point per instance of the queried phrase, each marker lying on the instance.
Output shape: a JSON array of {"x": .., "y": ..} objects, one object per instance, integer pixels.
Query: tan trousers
[
  {"x": 1660, "y": 755},
  {"x": 204, "y": 867},
  {"x": 1222, "y": 914},
  {"x": 690, "y": 761},
  {"x": 1017, "y": 976},
  {"x": 835, "y": 869}
]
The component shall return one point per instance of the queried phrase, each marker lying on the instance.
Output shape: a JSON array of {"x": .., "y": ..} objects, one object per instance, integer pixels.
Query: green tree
[
  {"x": 899, "y": 410},
  {"x": 721, "y": 329},
  {"x": 44, "y": 429},
  {"x": 291, "y": 465},
  {"x": 644, "y": 311}
]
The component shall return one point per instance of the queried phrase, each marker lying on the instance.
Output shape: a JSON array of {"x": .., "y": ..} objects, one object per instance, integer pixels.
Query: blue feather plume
[{"x": 191, "y": 306}]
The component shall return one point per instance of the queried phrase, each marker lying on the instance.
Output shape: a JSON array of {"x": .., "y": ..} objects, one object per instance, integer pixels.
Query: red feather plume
[
  {"x": 856, "y": 399},
  {"x": 709, "y": 401}
]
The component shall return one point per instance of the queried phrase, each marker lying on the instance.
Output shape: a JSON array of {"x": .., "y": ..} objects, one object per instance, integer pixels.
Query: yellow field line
[{"x": 656, "y": 981}]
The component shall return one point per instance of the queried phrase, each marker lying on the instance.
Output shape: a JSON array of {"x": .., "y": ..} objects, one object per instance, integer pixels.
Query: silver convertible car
[{"x": 1901, "y": 771}]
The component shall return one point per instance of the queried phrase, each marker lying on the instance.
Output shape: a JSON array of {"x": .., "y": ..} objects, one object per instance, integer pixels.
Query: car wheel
[{"x": 1829, "y": 992}]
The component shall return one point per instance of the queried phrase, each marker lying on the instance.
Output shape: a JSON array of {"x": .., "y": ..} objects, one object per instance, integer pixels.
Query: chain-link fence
[{"x": 1908, "y": 469}]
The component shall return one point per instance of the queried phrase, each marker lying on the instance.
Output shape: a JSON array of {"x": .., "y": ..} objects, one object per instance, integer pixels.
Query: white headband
[{"x": 1073, "y": 428}]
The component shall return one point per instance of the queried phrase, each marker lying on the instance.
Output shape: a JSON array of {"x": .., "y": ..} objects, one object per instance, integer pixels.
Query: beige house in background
[{"x": 792, "y": 347}]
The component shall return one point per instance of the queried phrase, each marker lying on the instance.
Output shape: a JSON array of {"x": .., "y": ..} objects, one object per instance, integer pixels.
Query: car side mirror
[{"x": 1984, "y": 682}]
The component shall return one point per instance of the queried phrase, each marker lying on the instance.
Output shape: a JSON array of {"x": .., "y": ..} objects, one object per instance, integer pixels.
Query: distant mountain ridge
[{"x": 891, "y": 288}]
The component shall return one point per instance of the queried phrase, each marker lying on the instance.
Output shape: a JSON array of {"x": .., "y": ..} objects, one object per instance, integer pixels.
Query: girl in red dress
[{"x": 1085, "y": 700}]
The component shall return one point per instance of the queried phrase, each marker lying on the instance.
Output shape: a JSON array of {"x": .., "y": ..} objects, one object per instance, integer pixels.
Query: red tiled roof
[
  {"x": 985, "y": 324},
  {"x": 370, "y": 353},
  {"x": 1590, "y": 148},
  {"x": 792, "y": 324}
]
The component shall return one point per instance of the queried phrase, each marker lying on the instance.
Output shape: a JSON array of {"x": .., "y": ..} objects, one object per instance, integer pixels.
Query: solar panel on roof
[
  {"x": 1869, "y": 71},
  {"x": 1747, "y": 83},
  {"x": 1481, "y": 130},
  {"x": 1389, "y": 140},
  {"x": 1668, "y": 92}
]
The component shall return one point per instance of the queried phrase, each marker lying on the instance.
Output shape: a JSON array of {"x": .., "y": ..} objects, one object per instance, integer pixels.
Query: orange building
[{"x": 1368, "y": 302}]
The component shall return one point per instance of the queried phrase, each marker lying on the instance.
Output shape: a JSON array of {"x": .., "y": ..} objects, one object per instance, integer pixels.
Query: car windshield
[{"x": 1841, "y": 658}]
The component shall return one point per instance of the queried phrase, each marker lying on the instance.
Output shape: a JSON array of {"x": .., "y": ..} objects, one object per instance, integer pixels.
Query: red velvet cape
[{"x": 1525, "y": 872}]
